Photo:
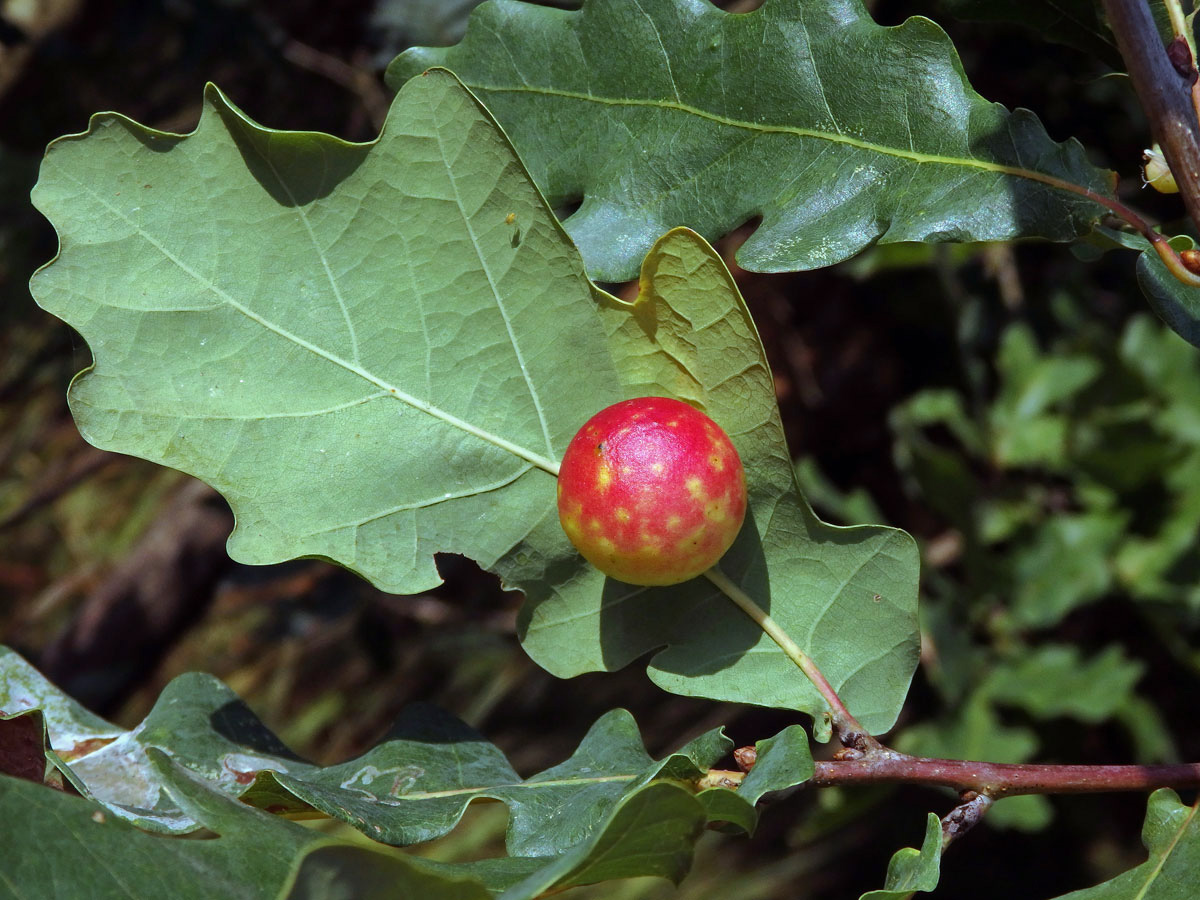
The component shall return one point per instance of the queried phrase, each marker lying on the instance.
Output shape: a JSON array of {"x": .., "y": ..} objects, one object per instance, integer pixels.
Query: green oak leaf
[
  {"x": 651, "y": 832},
  {"x": 846, "y": 595},
  {"x": 1172, "y": 835},
  {"x": 910, "y": 870},
  {"x": 418, "y": 782},
  {"x": 413, "y": 786},
  {"x": 251, "y": 854},
  {"x": 396, "y": 368},
  {"x": 836, "y": 131},
  {"x": 781, "y": 762},
  {"x": 350, "y": 342},
  {"x": 201, "y": 760}
]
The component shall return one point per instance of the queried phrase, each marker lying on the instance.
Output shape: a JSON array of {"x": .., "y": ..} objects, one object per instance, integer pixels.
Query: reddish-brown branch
[
  {"x": 1165, "y": 94},
  {"x": 998, "y": 780}
]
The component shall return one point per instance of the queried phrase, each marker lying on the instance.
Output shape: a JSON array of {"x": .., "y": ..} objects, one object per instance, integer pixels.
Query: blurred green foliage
[{"x": 1063, "y": 473}]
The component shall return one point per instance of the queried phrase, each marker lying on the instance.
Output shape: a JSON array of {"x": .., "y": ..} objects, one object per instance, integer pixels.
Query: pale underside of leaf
[
  {"x": 846, "y": 596},
  {"x": 351, "y": 342},
  {"x": 393, "y": 266}
]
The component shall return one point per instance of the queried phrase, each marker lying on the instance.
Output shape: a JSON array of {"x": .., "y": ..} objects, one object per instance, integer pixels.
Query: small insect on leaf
[{"x": 510, "y": 218}]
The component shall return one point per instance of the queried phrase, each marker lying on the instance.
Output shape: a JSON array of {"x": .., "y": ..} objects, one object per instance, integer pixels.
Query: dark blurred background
[{"x": 1012, "y": 406}]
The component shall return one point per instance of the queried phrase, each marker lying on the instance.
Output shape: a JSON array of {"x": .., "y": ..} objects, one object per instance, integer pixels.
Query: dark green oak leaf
[
  {"x": 413, "y": 786},
  {"x": 836, "y": 131}
]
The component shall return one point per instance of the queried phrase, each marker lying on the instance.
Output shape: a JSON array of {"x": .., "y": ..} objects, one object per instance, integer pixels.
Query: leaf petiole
[{"x": 849, "y": 731}]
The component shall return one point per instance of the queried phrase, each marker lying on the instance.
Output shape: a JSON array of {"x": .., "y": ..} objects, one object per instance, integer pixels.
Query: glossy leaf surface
[
  {"x": 413, "y": 786},
  {"x": 836, "y": 131}
]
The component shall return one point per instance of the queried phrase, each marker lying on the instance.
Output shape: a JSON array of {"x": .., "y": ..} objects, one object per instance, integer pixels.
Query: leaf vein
[
  {"x": 796, "y": 130},
  {"x": 321, "y": 255},
  {"x": 542, "y": 462},
  {"x": 430, "y": 501},
  {"x": 500, "y": 305}
]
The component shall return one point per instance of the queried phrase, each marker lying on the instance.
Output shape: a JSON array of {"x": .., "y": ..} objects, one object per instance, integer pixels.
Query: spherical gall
[{"x": 651, "y": 491}]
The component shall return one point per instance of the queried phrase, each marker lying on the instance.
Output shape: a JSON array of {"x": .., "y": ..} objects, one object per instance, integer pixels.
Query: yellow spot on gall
[
  {"x": 695, "y": 487},
  {"x": 657, "y": 468},
  {"x": 716, "y": 463},
  {"x": 691, "y": 541},
  {"x": 603, "y": 478},
  {"x": 622, "y": 514},
  {"x": 674, "y": 522}
]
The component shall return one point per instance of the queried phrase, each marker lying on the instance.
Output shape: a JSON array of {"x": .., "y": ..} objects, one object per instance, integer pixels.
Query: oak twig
[
  {"x": 1179, "y": 25},
  {"x": 1164, "y": 93},
  {"x": 995, "y": 780},
  {"x": 998, "y": 780}
]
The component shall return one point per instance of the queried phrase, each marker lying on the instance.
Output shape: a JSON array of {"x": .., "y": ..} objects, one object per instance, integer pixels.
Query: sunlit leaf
[
  {"x": 382, "y": 378},
  {"x": 396, "y": 369},
  {"x": 846, "y": 595}
]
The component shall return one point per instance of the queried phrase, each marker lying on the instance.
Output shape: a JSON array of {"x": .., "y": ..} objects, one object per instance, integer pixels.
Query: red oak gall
[{"x": 651, "y": 491}]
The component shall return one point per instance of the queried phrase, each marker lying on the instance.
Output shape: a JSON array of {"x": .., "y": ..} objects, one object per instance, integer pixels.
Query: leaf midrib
[
  {"x": 480, "y": 789},
  {"x": 795, "y": 130}
]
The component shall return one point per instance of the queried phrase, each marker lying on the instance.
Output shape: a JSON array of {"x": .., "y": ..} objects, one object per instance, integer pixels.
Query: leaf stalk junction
[
  {"x": 1168, "y": 88},
  {"x": 865, "y": 760}
]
